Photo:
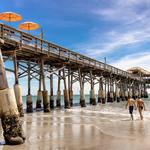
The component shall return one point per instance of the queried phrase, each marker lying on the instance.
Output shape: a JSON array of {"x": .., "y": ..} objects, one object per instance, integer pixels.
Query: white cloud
[
  {"x": 119, "y": 40},
  {"x": 134, "y": 60},
  {"x": 133, "y": 27}
]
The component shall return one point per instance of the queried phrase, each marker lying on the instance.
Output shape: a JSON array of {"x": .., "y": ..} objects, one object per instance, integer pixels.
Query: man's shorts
[{"x": 131, "y": 109}]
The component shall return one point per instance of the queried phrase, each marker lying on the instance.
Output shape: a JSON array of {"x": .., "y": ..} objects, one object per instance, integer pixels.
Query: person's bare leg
[
  {"x": 141, "y": 115},
  {"x": 132, "y": 116}
]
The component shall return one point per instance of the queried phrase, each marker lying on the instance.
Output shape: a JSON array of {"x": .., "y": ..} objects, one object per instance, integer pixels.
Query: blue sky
[{"x": 116, "y": 29}]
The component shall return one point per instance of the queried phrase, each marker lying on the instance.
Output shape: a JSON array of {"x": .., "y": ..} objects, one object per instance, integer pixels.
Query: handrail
[{"x": 43, "y": 45}]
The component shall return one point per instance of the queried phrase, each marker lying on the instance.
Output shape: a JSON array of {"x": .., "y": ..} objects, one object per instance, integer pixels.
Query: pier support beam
[
  {"x": 39, "y": 93},
  {"x": 108, "y": 90},
  {"x": 126, "y": 90},
  {"x": 11, "y": 124},
  {"x": 17, "y": 87},
  {"x": 70, "y": 80},
  {"x": 130, "y": 91},
  {"x": 46, "y": 104},
  {"x": 51, "y": 92},
  {"x": 122, "y": 91},
  {"x": 66, "y": 92},
  {"x": 117, "y": 93},
  {"x": 81, "y": 82},
  {"x": 145, "y": 92},
  {"x": 58, "y": 99},
  {"x": 111, "y": 91},
  {"x": 100, "y": 90},
  {"x": 29, "y": 96},
  {"x": 92, "y": 92}
]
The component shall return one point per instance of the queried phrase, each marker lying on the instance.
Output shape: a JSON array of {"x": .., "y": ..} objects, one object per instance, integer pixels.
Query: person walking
[
  {"x": 131, "y": 105},
  {"x": 141, "y": 106}
]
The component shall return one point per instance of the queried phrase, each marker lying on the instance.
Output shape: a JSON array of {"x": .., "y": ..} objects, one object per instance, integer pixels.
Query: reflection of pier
[{"x": 38, "y": 59}]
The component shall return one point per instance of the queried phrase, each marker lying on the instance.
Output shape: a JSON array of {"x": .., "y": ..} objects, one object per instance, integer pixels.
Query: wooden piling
[
  {"x": 66, "y": 93},
  {"x": 81, "y": 82},
  {"x": 70, "y": 78},
  {"x": 39, "y": 93},
  {"x": 11, "y": 124},
  {"x": 58, "y": 99},
  {"x": 71, "y": 90},
  {"x": 111, "y": 93},
  {"x": 17, "y": 87},
  {"x": 92, "y": 92},
  {"x": 51, "y": 92},
  {"x": 100, "y": 89},
  {"x": 29, "y": 96},
  {"x": 117, "y": 92},
  {"x": 46, "y": 104}
]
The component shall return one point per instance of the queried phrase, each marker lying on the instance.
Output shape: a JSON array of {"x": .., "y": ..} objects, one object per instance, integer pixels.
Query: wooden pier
[{"x": 39, "y": 59}]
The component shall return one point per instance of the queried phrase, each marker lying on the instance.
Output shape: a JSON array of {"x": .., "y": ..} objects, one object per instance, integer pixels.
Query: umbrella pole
[{"x": 13, "y": 133}]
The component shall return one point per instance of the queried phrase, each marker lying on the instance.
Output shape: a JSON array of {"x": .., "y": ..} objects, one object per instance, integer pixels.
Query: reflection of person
[
  {"x": 131, "y": 105},
  {"x": 140, "y": 106}
]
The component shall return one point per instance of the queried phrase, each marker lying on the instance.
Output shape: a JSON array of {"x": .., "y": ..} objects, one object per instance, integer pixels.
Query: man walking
[{"x": 131, "y": 105}]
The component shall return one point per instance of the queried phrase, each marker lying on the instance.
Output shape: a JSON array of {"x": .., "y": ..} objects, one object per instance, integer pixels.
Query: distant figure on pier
[
  {"x": 140, "y": 106},
  {"x": 131, "y": 105}
]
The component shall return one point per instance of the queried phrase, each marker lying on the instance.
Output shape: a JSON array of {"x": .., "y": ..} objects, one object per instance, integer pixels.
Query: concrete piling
[
  {"x": 100, "y": 89},
  {"x": 18, "y": 95},
  {"x": 66, "y": 92},
  {"x": 39, "y": 100},
  {"x": 46, "y": 104},
  {"x": 29, "y": 96},
  {"x": 51, "y": 92},
  {"x": 81, "y": 82},
  {"x": 17, "y": 87},
  {"x": 39, "y": 93},
  {"x": 58, "y": 98},
  {"x": 11, "y": 124},
  {"x": 46, "y": 101},
  {"x": 92, "y": 92}
]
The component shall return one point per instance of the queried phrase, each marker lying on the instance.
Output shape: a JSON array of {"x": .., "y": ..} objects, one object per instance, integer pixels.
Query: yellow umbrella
[
  {"x": 10, "y": 16},
  {"x": 29, "y": 26}
]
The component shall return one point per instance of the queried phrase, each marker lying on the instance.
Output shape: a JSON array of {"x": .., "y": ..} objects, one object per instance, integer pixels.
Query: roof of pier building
[{"x": 139, "y": 71}]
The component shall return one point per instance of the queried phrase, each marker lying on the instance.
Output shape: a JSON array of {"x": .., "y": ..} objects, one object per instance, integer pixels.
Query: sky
[{"x": 116, "y": 29}]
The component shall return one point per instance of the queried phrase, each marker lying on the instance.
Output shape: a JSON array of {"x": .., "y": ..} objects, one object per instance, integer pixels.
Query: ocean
[{"x": 76, "y": 100}]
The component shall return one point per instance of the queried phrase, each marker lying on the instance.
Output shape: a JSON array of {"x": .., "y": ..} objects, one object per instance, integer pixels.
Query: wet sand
[{"x": 90, "y": 128}]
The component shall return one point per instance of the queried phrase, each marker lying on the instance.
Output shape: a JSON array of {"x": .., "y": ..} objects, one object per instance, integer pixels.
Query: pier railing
[{"x": 39, "y": 45}]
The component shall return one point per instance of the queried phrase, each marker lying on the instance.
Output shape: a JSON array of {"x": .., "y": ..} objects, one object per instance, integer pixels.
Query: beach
[{"x": 101, "y": 127}]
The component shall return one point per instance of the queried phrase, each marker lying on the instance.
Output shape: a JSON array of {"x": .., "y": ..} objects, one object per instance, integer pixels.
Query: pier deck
[{"x": 32, "y": 48}]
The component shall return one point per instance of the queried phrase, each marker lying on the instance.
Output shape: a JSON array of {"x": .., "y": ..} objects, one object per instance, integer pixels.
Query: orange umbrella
[
  {"x": 10, "y": 16},
  {"x": 29, "y": 26}
]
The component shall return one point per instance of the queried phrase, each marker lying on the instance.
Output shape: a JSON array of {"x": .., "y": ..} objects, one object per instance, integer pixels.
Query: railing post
[
  {"x": 2, "y": 31},
  {"x": 36, "y": 44}
]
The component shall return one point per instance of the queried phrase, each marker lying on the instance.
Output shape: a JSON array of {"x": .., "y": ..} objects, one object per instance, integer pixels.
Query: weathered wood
[
  {"x": 46, "y": 103},
  {"x": 81, "y": 82},
  {"x": 66, "y": 93},
  {"x": 13, "y": 133},
  {"x": 58, "y": 99},
  {"x": 39, "y": 93},
  {"x": 71, "y": 90},
  {"x": 15, "y": 68},
  {"x": 51, "y": 92},
  {"x": 92, "y": 92},
  {"x": 3, "y": 79},
  {"x": 29, "y": 96}
]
